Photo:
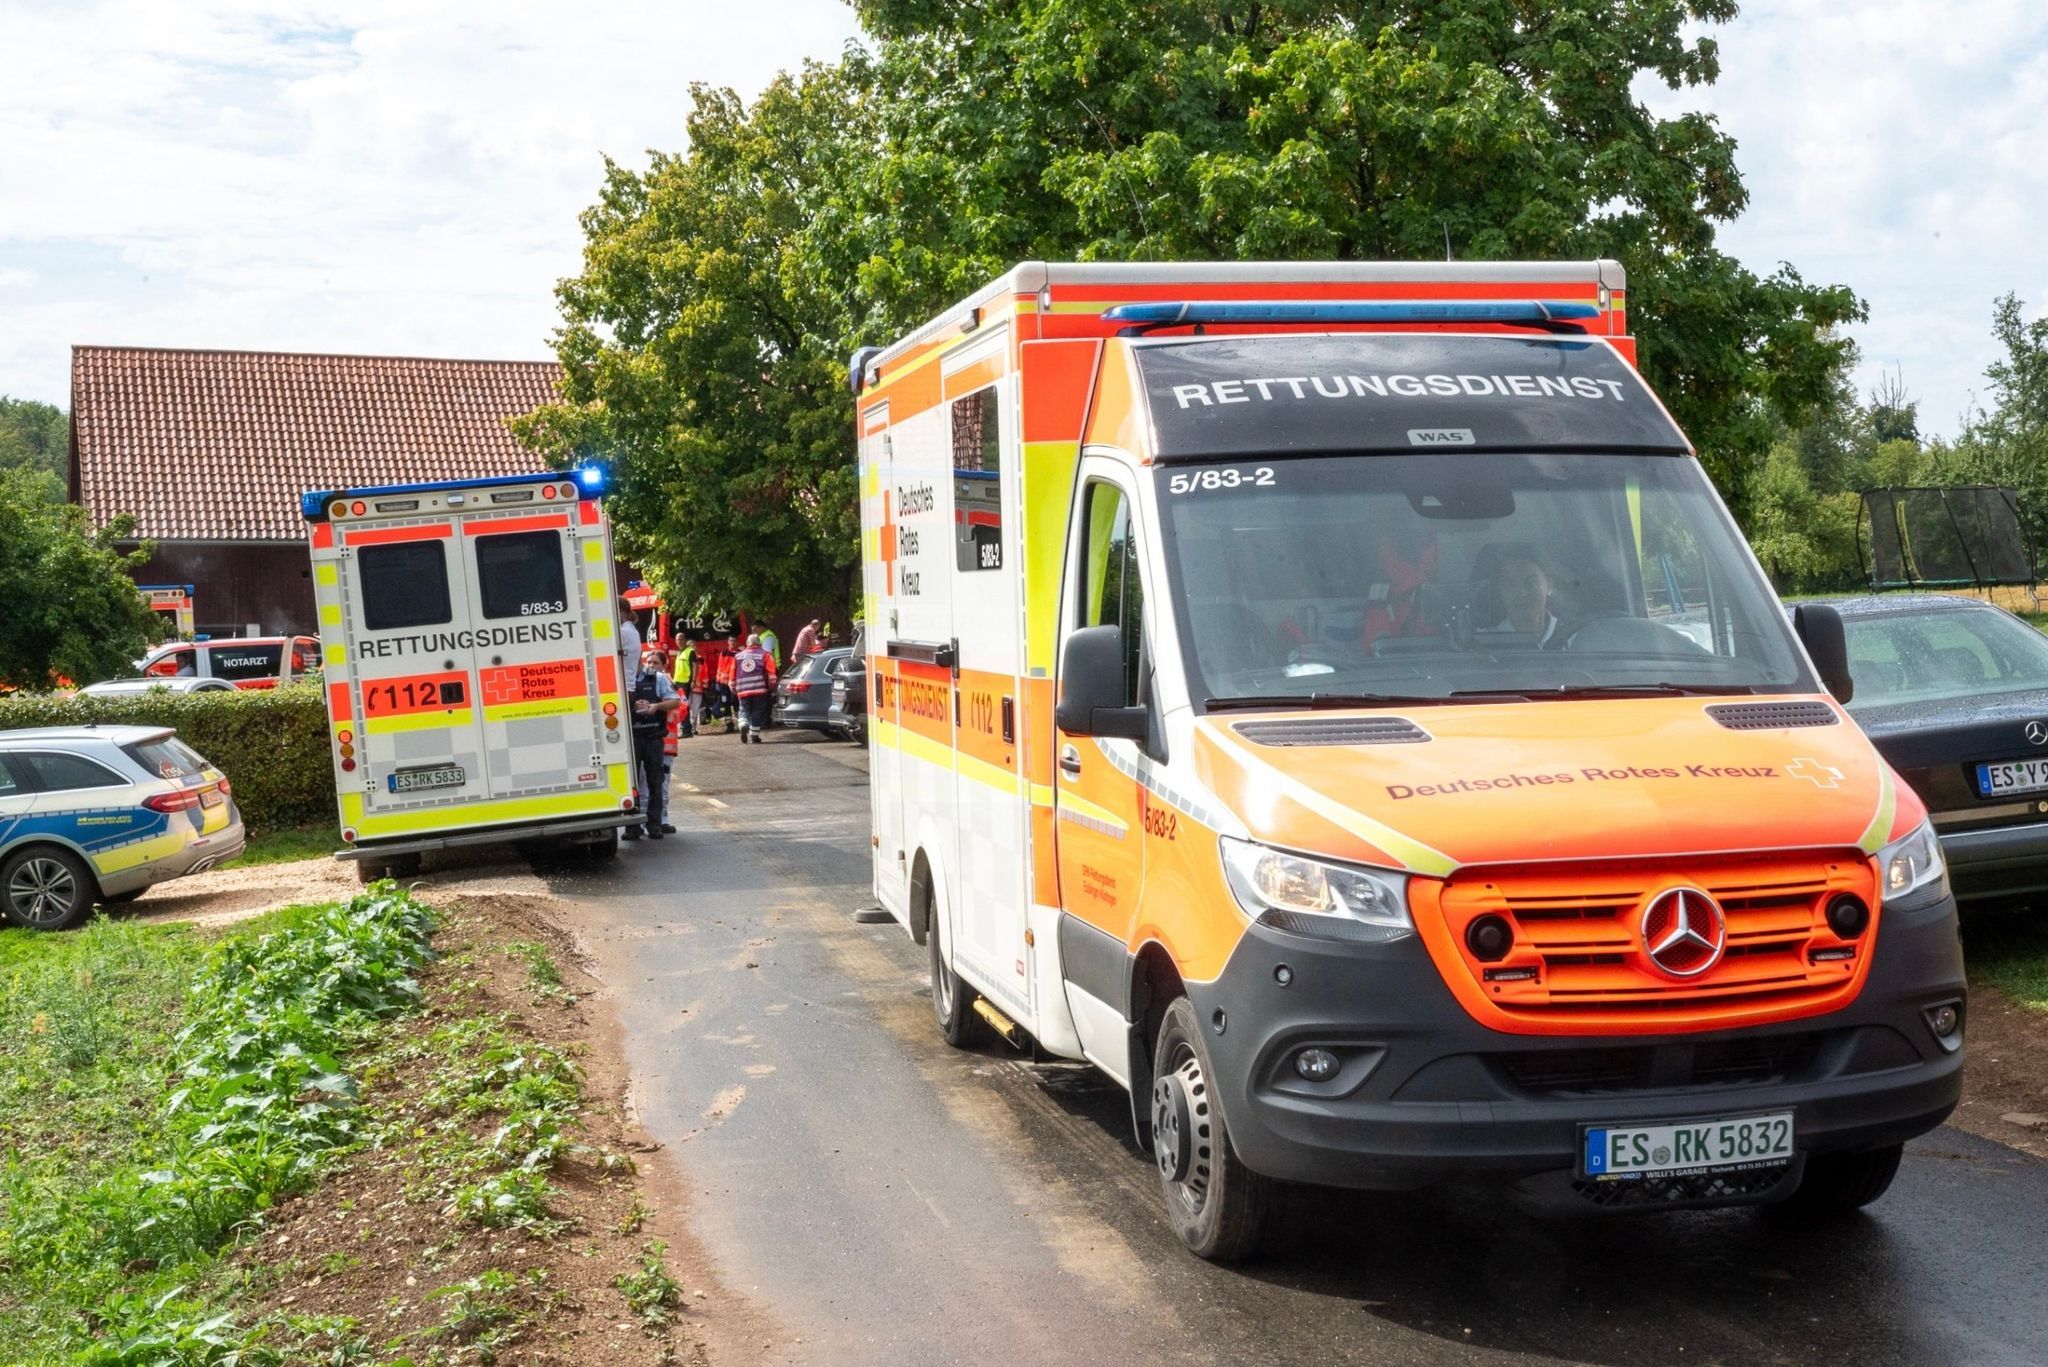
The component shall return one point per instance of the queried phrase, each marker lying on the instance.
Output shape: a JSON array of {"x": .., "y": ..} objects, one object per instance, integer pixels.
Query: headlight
[
  {"x": 1309, "y": 897},
  {"x": 1911, "y": 870}
]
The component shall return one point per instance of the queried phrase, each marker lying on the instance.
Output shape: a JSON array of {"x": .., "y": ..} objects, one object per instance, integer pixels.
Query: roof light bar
[
  {"x": 591, "y": 481},
  {"x": 1512, "y": 312}
]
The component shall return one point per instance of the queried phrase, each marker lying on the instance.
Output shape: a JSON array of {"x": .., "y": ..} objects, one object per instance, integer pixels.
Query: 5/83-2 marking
[{"x": 1200, "y": 481}]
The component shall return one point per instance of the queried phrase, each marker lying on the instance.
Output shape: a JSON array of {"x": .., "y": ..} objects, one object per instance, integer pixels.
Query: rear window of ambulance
[
  {"x": 405, "y": 584},
  {"x": 232, "y": 661},
  {"x": 166, "y": 758},
  {"x": 519, "y": 574}
]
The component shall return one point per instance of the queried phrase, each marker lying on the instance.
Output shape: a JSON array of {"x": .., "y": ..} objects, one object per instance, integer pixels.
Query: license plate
[
  {"x": 211, "y": 798},
  {"x": 2012, "y": 776},
  {"x": 413, "y": 780},
  {"x": 1685, "y": 1146}
]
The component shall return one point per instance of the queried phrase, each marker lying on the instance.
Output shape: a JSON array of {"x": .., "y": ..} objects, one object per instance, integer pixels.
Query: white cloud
[
  {"x": 334, "y": 175},
  {"x": 1894, "y": 146}
]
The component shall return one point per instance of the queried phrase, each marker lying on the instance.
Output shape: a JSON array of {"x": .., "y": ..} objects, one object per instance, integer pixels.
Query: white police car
[{"x": 97, "y": 814}]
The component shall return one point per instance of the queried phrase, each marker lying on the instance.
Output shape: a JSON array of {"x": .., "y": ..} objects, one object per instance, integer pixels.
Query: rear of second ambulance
[{"x": 472, "y": 670}]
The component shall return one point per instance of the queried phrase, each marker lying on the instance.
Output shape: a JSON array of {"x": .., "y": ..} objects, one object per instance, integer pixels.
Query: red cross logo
[
  {"x": 501, "y": 686},
  {"x": 1814, "y": 772}
]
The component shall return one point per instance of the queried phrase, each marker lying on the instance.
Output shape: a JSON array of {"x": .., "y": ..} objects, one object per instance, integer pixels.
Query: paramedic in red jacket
[{"x": 753, "y": 677}]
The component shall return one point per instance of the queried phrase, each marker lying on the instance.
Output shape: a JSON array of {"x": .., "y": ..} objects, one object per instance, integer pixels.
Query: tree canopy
[
  {"x": 97, "y": 624},
  {"x": 35, "y": 436},
  {"x": 704, "y": 356},
  {"x": 723, "y": 287}
]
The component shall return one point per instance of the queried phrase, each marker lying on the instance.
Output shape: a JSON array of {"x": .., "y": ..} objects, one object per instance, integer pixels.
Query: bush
[{"x": 272, "y": 744}]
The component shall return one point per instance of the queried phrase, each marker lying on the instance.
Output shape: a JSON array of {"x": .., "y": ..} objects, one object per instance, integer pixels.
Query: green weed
[
  {"x": 542, "y": 974},
  {"x": 651, "y": 1293}
]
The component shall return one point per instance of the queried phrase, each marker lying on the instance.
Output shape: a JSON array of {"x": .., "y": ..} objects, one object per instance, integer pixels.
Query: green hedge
[{"x": 272, "y": 745}]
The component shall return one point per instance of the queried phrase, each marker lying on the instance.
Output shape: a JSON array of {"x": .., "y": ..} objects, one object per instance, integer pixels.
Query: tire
[
  {"x": 1837, "y": 1183},
  {"x": 603, "y": 851},
  {"x": 952, "y": 999},
  {"x": 1218, "y": 1206},
  {"x": 46, "y": 888}
]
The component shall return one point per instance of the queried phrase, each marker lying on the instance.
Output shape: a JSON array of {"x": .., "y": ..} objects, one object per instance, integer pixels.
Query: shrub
[{"x": 272, "y": 744}]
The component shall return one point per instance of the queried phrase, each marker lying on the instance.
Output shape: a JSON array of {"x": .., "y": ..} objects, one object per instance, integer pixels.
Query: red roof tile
[{"x": 218, "y": 445}]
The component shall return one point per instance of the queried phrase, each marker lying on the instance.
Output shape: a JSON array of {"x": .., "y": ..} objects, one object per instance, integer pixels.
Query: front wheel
[
  {"x": 47, "y": 889},
  {"x": 1218, "y": 1206},
  {"x": 1836, "y": 1183}
]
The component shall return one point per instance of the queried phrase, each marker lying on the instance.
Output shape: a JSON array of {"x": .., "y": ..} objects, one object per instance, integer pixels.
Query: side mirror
[
  {"x": 1820, "y": 627},
  {"x": 1092, "y": 687}
]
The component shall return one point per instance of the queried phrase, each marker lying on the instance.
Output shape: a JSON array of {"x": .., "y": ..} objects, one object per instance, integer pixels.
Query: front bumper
[
  {"x": 1426, "y": 1094},
  {"x": 1997, "y": 862}
]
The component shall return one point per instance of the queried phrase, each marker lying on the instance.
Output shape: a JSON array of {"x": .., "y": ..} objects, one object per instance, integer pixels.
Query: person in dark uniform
[{"x": 654, "y": 697}]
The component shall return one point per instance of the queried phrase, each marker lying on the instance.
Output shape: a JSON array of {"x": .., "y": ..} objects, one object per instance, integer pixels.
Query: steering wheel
[{"x": 1621, "y": 634}]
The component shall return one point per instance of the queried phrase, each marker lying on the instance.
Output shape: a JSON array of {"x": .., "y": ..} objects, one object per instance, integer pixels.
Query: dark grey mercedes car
[{"x": 1954, "y": 692}]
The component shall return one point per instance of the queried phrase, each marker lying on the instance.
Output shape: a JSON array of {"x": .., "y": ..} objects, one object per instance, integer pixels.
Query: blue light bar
[
  {"x": 1527, "y": 312},
  {"x": 589, "y": 479}
]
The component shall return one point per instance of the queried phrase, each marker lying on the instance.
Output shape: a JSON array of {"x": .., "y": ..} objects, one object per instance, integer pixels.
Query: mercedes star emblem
[{"x": 1684, "y": 932}]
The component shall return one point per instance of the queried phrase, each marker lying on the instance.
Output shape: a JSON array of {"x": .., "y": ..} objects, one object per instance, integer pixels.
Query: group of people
[{"x": 738, "y": 687}]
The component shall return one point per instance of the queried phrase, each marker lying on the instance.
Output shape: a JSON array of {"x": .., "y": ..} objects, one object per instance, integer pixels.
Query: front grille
[
  {"x": 1579, "y": 927},
  {"x": 1683, "y": 1189},
  {"x": 1747, "y": 1061}
]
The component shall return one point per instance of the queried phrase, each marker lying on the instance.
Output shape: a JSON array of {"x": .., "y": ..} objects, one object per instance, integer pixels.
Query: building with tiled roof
[{"x": 210, "y": 450}]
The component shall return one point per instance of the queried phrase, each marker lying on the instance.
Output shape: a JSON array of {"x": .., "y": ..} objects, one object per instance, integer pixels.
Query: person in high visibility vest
[
  {"x": 686, "y": 685},
  {"x": 753, "y": 675},
  {"x": 771, "y": 643},
  {"x": 726, "y": 701}
]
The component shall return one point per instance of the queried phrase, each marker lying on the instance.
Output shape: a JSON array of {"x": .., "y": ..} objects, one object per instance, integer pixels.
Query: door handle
[{"x": 1070, "y": 761}]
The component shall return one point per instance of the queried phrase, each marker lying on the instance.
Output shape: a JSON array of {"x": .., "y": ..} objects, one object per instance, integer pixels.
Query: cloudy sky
[{"x": 403, "y": 177}]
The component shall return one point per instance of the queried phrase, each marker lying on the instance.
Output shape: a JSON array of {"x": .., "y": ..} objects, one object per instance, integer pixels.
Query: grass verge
[
  {"x": 278, "y": 847},
  {"x": 194, "y": 1134},
  {"x": 313, "y": 1141},
  {"x": 2009, "y": 951}
]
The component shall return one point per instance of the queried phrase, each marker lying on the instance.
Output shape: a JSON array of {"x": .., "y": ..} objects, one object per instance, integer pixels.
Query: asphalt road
[{"x": 888, "y": 1200}]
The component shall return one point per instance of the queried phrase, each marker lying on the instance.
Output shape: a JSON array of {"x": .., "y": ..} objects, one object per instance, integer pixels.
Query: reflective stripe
[{"x": 487, "y": 813}]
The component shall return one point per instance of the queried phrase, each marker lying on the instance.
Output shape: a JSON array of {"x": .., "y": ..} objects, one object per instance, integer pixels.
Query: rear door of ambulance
[
  {"x": 404, "y": 596},
  {"x": 532, "y": 592}
]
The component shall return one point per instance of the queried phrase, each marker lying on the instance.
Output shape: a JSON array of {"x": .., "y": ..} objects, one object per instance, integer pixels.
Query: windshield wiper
[
  {"x": 1316, "y": 702},
  {"x": 1661, "y": 689}
]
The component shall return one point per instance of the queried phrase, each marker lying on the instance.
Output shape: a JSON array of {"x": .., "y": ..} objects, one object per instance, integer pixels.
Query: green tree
[
  {"x": 1396, "y": 129},
  {"x": 704, "y": 351},
  {"x": 722, "y": 289},
  {"x": 2008, "y": 443},
  {"x": 36, "y": 436},
  {"x": 98, "y": 624}
]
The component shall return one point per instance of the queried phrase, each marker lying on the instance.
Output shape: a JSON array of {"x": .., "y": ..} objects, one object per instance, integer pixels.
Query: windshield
[
  {"x": 1440, "y": 575},
  {"x": 1938, "y": 655}
]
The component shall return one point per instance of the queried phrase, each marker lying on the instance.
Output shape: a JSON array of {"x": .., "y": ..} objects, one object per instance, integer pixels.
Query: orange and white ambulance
[
  {"x": 473, "y": 678},
  {"x": 1332, "y": 700}
]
